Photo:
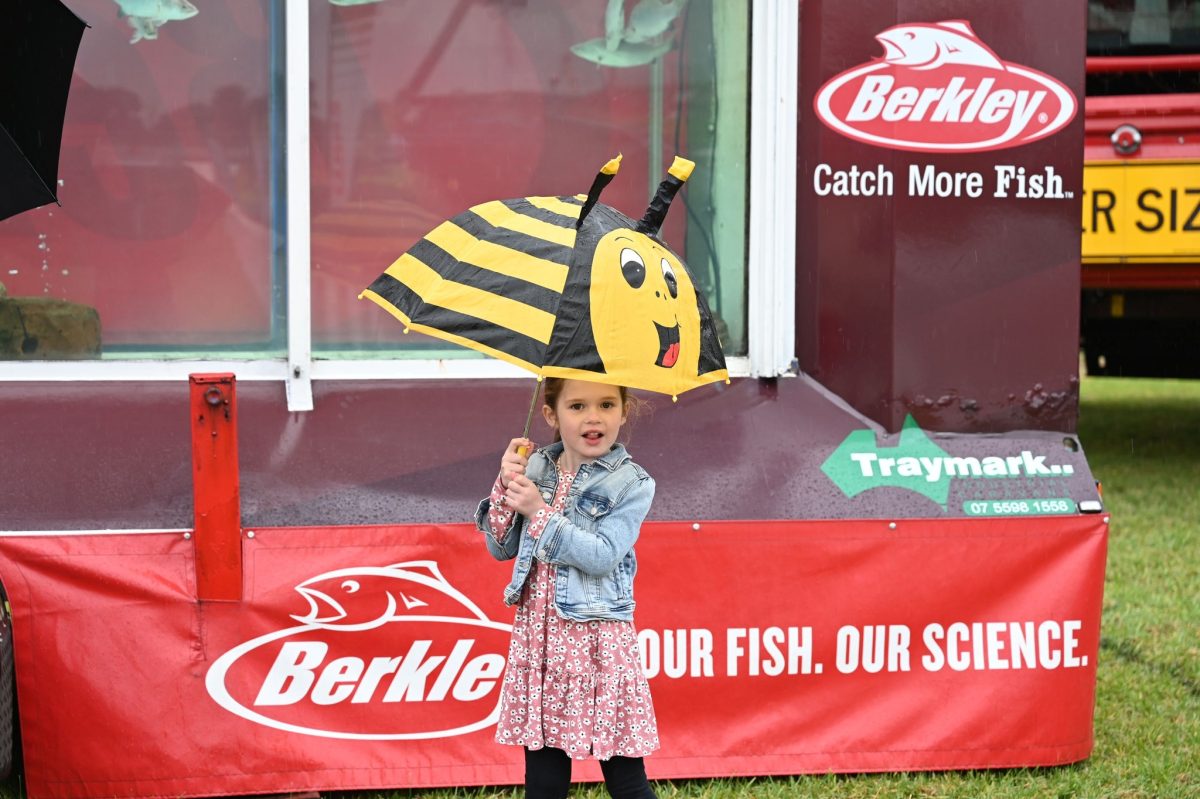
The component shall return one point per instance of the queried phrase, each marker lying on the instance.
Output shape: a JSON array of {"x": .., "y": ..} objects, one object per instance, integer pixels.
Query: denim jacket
[{"x": 590, "y": 542}]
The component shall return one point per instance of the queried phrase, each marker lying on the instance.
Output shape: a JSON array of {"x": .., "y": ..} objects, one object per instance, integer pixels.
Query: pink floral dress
[{"x": 577, "y": 686}]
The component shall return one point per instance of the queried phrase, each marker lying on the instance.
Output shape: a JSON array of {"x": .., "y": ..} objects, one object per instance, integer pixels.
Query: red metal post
[{"x": 217, "y": 505}]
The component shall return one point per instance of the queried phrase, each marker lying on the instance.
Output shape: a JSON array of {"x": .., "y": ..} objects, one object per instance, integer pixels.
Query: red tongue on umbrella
[{"x": 671, "y": 355}]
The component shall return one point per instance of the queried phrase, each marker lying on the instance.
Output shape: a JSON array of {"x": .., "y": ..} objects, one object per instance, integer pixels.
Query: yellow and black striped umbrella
[{"x": 564, "y": 287}]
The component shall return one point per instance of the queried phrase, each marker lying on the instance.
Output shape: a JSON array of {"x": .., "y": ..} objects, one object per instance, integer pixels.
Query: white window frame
[{"x": 770, "y": 246}]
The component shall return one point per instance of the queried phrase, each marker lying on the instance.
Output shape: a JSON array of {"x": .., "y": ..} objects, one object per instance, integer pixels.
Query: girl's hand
[
  {"x": 523, "y": 496},
  {"x": 513, "y": 463}
]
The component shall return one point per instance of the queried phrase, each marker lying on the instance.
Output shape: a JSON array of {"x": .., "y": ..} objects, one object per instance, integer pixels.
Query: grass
[{"x": 1142, "y": 439}]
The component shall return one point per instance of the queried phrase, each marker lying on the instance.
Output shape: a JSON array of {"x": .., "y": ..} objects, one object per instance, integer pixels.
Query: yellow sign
[{"x": 1141, "y": 211}]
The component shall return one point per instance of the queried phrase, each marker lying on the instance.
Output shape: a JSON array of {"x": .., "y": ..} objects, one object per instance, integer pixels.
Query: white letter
[
  {"x": 870, "y": 99},
  {"x": 1070, "y": 643},
  {"x": 934, "y": 660},
  {"x": 995, "y": 647},
  {"x": 702, "y": 657},
  {"x": 412, "y": 673},
  {"x": 649, "y": 644},
  {"x": 800, "y": 650},
  {"x": 899, "y": 637},
  {"x": 864, "y": 460},
  {"x": 733, "y": 649},
  {"x": 1004, "y": 176},
  {"x": 675, "y": 653},
  {"x": 458, "y": 656},
  {"x": 478, "y": 677},
  {"x": 847, "y": 650},
  {"x": 331, "y": 686},
  {"x": 295, "y": 664},
  {"x": 774, "y": 663},
  {"x": 377, "y": 669},
  {"x": 1048, "y": 630},
  {"x": 957, "y": 633},
  {"x": 819, "y": 186}
]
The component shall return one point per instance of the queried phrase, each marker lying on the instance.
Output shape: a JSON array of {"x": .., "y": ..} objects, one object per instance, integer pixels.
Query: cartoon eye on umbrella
[{"x": 564, "y": 287}]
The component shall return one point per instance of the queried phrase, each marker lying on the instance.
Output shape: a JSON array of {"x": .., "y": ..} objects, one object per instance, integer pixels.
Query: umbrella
[
  {"x": 564, "y": 287},
  {"x": 38, "y": 43}
]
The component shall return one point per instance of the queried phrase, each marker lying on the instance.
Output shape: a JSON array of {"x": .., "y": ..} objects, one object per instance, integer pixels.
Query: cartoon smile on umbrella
[{"x": 564, "y": 287}]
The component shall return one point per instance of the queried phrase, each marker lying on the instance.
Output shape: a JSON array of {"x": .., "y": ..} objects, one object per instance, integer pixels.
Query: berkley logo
[
  {"x": 383, "y": 653},
  {"x": 939, "y": 89}
]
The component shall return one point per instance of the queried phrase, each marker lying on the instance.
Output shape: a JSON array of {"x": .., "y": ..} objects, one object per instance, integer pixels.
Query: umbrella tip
[
  {"x": 603, "y": 178},
  {"x": 681, "y": 168},
  {"x": 677, "y": 175}
]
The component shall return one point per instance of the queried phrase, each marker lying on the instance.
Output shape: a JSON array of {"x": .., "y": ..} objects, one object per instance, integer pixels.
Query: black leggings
[{"x": 548, "y": 775}]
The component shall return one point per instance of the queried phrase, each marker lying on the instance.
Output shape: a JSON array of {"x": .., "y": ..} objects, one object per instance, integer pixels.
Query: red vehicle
[{"x": 1141, "y": 213}]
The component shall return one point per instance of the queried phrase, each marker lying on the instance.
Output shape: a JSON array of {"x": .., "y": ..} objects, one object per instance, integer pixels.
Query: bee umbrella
[{"x": 563, "y": 287}]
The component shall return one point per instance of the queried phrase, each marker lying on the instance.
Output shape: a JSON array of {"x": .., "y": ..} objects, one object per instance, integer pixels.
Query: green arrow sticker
[{"x": 915, "y": 463}]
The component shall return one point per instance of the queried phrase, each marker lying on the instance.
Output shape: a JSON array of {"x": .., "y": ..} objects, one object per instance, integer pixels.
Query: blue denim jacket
[{"x": 590, "y": 542}]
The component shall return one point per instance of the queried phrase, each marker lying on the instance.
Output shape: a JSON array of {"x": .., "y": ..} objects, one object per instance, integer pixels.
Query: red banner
[{"x": 370, "y": 657}]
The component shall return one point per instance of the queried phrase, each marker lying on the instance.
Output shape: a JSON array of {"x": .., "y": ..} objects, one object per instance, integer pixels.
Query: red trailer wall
[{"x": 960, "y": 310}]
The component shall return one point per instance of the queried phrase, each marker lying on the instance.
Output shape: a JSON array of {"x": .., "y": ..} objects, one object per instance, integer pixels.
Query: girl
[{"x": 569, "y": 514}]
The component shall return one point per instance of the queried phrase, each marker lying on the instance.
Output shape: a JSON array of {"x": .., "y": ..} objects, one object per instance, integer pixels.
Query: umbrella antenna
[
  {"x": 603, "y": 178},
  {"x": 680, "y": 171}
]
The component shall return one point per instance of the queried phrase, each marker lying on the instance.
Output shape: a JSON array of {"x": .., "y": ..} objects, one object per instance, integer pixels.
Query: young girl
[{"x": 569, "y": 514}]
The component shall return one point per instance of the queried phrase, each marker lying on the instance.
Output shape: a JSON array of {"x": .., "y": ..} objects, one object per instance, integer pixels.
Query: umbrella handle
[{"x": 523, "y": 450}]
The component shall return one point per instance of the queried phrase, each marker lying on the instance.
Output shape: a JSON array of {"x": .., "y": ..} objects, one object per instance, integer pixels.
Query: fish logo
[
  {"x": 364, "y": 598},
  {"x": 930, "y": 46},
  {"x": 939, "y": 88},
  {"x": 379, "y": 653}
]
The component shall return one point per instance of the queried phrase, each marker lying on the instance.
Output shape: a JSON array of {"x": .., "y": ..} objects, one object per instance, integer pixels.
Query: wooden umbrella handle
[{"x": 523, "y": 450}]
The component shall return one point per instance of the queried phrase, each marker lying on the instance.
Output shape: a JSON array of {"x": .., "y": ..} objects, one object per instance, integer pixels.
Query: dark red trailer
[{"x": 879, "y": 547}]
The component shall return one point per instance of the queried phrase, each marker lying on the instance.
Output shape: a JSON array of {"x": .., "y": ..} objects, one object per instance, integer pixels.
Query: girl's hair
[{"x": 552, "y": 387}]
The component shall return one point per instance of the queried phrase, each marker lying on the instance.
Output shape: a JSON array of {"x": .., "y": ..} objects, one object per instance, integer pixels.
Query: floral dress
[{"x": 577, "y": 686}]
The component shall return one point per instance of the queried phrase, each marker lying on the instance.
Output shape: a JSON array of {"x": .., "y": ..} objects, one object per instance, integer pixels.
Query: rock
[{"x": 41, "y": 328}]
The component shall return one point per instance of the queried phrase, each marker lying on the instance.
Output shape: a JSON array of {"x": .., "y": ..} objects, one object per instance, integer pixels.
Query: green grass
[{"x": 1142, "y": 439}]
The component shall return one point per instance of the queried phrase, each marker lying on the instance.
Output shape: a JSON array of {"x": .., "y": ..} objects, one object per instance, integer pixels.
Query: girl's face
[{"x": 588, "y": 417}]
